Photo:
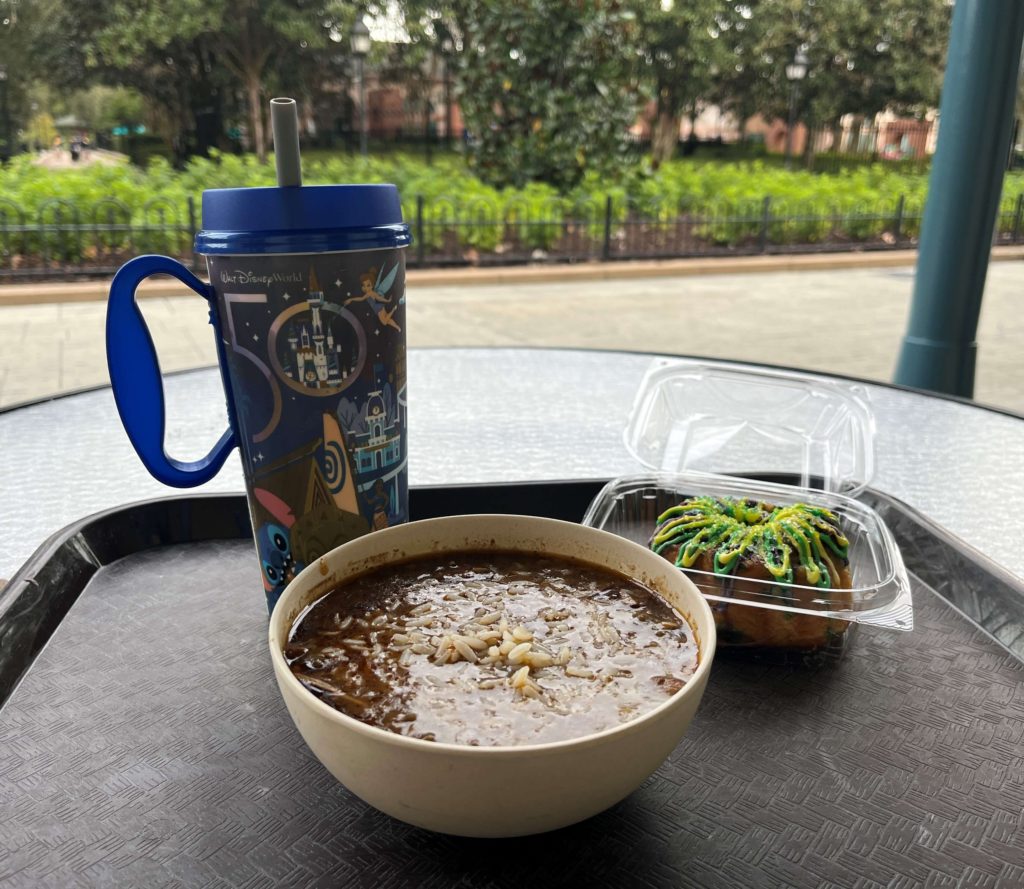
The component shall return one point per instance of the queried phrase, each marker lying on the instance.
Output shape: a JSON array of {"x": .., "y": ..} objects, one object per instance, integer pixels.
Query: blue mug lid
[{"x": 301, "y": 219}]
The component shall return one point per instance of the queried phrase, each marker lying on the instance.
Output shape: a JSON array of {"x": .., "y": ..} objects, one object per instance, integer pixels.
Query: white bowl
[{"x": 491, "y": 791}]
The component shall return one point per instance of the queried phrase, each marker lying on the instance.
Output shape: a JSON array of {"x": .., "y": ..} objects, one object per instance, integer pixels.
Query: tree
[
  {"x": 176, "y": 47},
  {"x": 266, "y": 27},
  {"x": 685, "y": 47},
  {"x": 865, "y": 56},
  {"x": 22, "y": 67},
  {"x": 415, "y": 63},
  {"x": 548, "y": 88},
  {"x": 105, "y": 107},
  {"x": 177, "y": 75},
  {"x": 40, "y": 131}
]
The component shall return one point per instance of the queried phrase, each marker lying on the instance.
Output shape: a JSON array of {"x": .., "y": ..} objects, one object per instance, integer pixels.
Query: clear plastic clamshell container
[
  {"x": 719, "y": 432},
  {"x": 721, "y": 419}
]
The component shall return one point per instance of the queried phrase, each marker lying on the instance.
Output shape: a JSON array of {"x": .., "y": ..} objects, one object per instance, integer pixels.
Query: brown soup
[{"x": 492, "y": 649}]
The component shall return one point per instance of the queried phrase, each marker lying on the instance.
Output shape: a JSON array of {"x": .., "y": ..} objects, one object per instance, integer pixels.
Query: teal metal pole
[{"x": 975, "y": 119}]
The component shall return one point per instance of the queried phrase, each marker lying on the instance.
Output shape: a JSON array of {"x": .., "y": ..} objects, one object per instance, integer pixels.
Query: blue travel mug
[{"x": 307, "y": 300}]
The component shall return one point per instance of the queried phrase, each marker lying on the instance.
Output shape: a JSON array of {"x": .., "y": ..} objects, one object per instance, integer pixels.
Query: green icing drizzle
[{"x": 735, "y": 528}]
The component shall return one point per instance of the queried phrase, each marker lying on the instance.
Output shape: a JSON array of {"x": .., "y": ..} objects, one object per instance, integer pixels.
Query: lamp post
[
  {"x": 5, "y": 118},
  {"x": 361, "y": 49},
  {"x": 447, "y": 45},
  {"x": 795, "y": 72}
]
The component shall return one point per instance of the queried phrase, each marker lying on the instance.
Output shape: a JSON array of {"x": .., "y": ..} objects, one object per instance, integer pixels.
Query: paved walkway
[
  {"x": 60, "y": 158},
  {"x": 846, "y": 321}
]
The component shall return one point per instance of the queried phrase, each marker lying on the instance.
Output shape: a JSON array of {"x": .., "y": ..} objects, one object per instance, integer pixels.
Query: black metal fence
[{"x": 63, "y": 240}]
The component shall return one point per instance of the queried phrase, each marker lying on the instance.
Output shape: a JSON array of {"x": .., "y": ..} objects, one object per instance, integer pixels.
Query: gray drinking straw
[{"x": 284, "y": 119}]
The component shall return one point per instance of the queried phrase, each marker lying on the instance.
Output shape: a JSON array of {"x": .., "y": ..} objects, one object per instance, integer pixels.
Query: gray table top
[{"x": 495, "y": 415}]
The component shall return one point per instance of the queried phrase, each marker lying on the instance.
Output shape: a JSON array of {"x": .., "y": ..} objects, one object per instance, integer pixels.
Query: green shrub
[{"x": 124, "y": 208}]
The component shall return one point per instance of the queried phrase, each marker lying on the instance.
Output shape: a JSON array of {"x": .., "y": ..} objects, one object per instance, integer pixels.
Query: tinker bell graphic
[{"x": 375, "y": 287}]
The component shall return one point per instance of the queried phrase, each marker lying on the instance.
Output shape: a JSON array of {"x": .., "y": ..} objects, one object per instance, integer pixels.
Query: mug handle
[{"x": 135, "y": 374}]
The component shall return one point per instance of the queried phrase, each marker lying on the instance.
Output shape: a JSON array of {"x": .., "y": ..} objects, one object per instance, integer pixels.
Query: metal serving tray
[{"x": 143, "y": 741}]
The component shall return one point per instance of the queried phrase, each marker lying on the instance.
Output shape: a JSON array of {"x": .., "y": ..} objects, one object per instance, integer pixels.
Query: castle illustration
[
  {"x": 379, "y": 447},
  {"x": 377, "y": 452},
  {"x": 317, "y": 360}
]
